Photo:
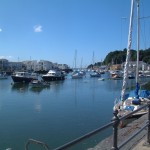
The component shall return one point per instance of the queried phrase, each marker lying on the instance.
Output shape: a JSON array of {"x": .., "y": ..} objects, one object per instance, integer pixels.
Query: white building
[
  {"x": 30, "y": 65},
  {"x": 44, "y": 65},
  {"x": 133, "y": 64}
]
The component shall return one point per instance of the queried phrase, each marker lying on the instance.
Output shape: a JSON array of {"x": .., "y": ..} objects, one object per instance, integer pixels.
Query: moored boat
[
  {"x": 3, "y": 75},
  {"x": 23, "y": 77},
  {"x": 38, "y": 83},
  {"x": 53, "y": 75},
  {"x": 131, "y": 76},
  {"x": 77, "y": 74},
  {"x": 132, "y": 102},
  {"x": 137, "y": 98},
  {"x": 116, "y": 74},
  {"x": 95, "y": 74},
  {"x": 101, "y": 79}
]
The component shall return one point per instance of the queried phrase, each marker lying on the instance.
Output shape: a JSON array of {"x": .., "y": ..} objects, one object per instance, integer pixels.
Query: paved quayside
[{"x": 135, "y": 144}]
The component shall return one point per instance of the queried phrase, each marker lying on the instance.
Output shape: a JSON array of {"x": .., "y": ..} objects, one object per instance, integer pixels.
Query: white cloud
[
  {"x": 0, "y": 30},
  {"x": 6, "y": 57},
  {"x": 37, "y": 28},
  {"x": 1, "y": 57}
]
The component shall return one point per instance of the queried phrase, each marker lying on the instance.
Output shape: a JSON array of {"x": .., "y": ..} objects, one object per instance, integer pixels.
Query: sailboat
[
  {"x": 77, "y": 74},
  {"x": 136, "y": 98},
  {"x": 94, "y": 72}
]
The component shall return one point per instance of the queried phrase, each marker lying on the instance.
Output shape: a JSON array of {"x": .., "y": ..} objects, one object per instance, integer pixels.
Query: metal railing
[
  {"x": 32, "y": 141},
  {"x": 114, "y": 123}
]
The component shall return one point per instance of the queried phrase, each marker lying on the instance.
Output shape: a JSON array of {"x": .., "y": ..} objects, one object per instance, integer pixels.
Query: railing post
[
  {"x": 115, "y": 130},
  {"x": 148, "y": 130}
]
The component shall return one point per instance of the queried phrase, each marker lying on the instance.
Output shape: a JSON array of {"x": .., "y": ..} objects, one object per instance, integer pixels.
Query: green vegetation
[{"x": 119, "y": 56}]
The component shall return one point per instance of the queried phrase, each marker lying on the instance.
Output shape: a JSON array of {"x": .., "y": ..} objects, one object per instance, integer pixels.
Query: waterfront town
[
  {"x": 31, "y": 65},
  {"x": 46, "y": 65}
]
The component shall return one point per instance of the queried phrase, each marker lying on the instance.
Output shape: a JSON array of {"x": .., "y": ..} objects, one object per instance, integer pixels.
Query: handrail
[
  {"x": 67, "y": 145},
  {"x": 115, "y": 127},
  {"x": 130, "y": 138},
  {"x": 36, "y": 142},
  {"x": 114, "y": 123}
]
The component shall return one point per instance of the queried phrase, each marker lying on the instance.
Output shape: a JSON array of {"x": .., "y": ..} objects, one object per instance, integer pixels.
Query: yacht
[
  {"x": 53, "y": 75},
  {"x": 23, "y": 77},
  {"x": 95, "y": 74}
]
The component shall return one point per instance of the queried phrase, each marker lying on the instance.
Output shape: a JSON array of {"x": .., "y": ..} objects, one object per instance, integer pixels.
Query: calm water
[{"x": 55, "y": 115}]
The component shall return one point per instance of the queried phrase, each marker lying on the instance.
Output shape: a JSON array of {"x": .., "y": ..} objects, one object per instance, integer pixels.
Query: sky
[{"x": 55, "y": 30}]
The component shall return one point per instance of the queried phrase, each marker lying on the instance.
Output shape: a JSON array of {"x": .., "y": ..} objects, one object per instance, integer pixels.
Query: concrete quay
[
  {"x": 141, "y": 145},
  {"x": 139, "y": 142}
]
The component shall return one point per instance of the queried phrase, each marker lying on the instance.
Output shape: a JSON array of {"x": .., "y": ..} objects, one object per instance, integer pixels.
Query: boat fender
[{"x": 136, "y": 102}]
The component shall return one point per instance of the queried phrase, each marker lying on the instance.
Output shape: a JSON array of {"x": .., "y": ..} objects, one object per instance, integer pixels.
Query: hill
[{"x": 119, "y": 56}]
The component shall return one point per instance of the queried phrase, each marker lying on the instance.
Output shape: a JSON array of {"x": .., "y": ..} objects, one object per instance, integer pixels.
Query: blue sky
[{"x": 54, "y": 29}]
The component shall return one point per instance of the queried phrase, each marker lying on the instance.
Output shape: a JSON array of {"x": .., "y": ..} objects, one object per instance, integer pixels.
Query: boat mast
[
  {"x": 138, "y": 45},
  {"x": 75, "y": 59},
  {"x": 138, "y": 39},
  {"x": 128, "y": 52},
  {"x": 93, "y": 60}
]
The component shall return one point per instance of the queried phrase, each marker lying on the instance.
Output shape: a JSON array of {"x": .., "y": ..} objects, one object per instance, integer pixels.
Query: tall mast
[
  {"x": 93, "y": 62},
  {"x": 138, "y": 39},
  {"x": 128, "y": 52},
  {"x": 138, "y": 45},
  {"x": 75, "y": 58}
]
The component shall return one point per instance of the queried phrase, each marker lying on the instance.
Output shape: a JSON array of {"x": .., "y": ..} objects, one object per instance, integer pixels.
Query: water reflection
[
  {"x": 20, "y": 87},
  {"x": 38, "y": 106},
  {"x": 56, "y": 85},
  {"x": 38, "y": 89}
]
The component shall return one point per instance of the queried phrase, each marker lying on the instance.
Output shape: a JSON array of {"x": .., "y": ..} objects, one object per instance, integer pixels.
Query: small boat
[
  {"x": 132, "y": 102},
  {"x": 116, "y": 75},
  {"x": 53, "y": 75},
  {"x": 95, "y": 74},
  {"x": 38, "y": 83},
  {"x": 101, "y": 79},
  {"x": 23, "y": 77},
  {"x": 131, "y": 76},
  {"x": 77, "y": 75},
  {"x": 3, "y": 75}
]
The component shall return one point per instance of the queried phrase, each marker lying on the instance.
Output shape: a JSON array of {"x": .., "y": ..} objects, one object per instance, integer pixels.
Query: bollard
[
  {"x": 148, "y": 130},
  {"x": 115, "y": 130}
]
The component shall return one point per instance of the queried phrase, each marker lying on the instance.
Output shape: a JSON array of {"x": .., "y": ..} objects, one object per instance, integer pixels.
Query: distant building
[
  {"x": 44, "y": 65},
  {"x": 30, "y": 65},
  {"x": 63, "y": 66},
  {"x": 3, "y": 64},
  {"x": 148, "y": 67},
  {"x": 132, "y": 65},
  {"x": 15, "y": 66},
  {"x": 116, "y": 67}
]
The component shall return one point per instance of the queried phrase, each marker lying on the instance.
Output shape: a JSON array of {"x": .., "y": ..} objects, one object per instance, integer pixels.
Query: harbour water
[{"x": 57, "y": 114}]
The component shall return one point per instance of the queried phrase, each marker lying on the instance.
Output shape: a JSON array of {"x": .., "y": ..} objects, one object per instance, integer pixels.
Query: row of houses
[
  {"x": 132, "y": 66},
  {"x": 45, "y": 65},
  {"x": 31, "y": 65}
]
